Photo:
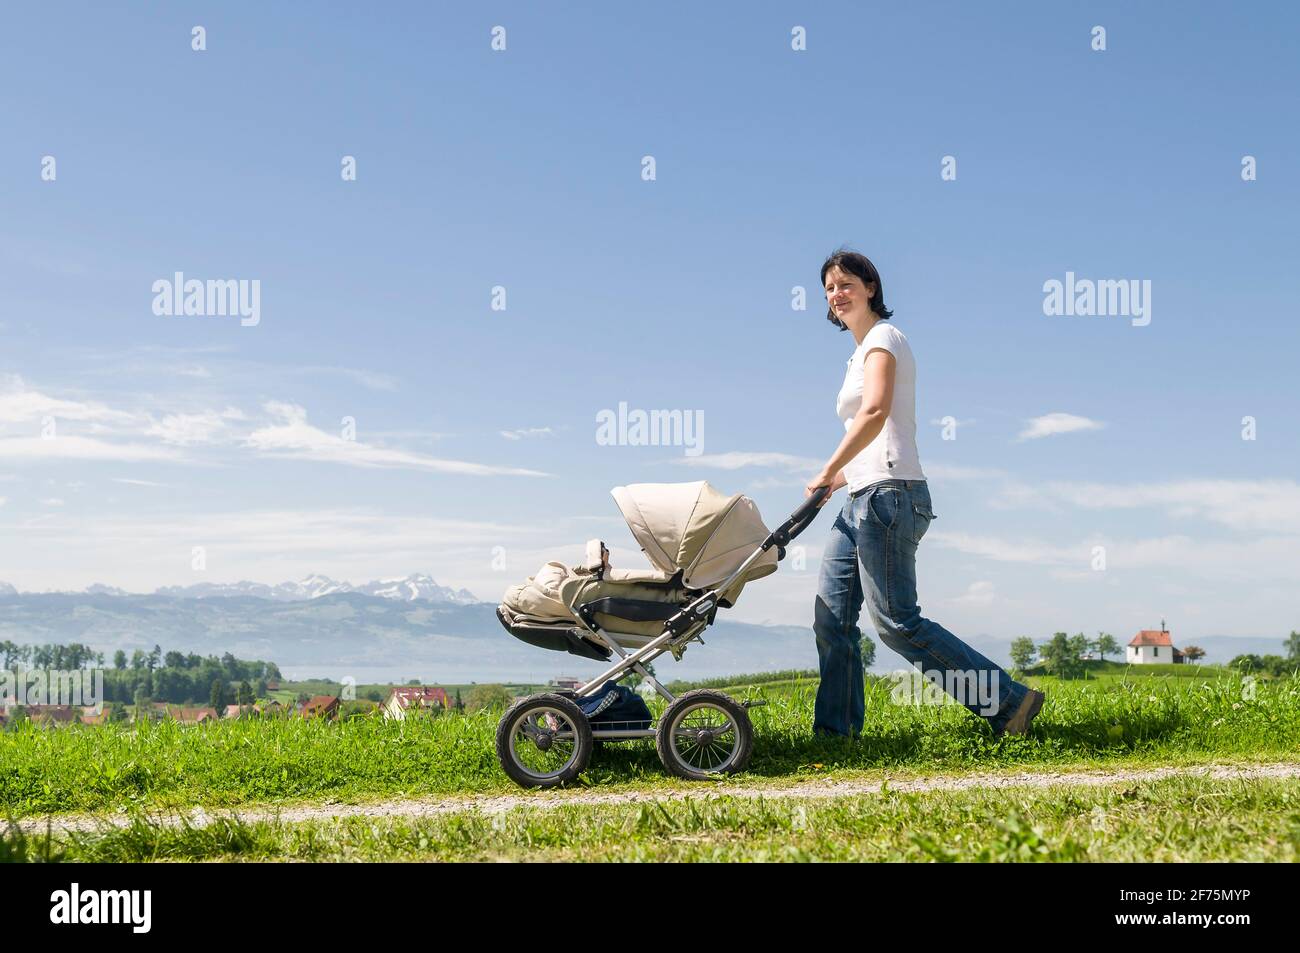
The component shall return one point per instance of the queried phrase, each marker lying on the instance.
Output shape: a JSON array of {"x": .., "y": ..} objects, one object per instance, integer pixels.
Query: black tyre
[
  {"x": 704, "y": 734},
  {"x": 543, "y": 741}
]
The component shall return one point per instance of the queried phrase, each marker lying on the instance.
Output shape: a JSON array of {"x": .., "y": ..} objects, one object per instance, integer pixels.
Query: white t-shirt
[{"x": 892, "y": 455}]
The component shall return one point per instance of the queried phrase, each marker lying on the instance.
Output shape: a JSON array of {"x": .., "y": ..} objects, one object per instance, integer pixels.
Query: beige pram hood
[
  {"x": 694, "y": 537},
  {"x": 693, "y": 528}
]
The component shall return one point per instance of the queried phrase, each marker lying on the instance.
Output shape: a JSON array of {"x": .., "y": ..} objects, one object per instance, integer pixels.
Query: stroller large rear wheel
[
  {"x": 543, "y": 741},
  {"x": 704, "y": 734}
]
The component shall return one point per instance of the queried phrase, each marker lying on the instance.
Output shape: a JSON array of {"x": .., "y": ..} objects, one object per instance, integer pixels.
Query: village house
[
  {"x": 403, "y": 697},
  {"x": 566, "y": 683},
  {"x": 321, "y": 706},
  {"x": 47, "y": 715},
  {"x": 191, "y": 715},
  {"x": 1152, "y": 646}
]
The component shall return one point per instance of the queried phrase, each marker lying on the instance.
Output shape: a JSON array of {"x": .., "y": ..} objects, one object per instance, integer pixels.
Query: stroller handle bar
[{"x": 799, "y": 520}]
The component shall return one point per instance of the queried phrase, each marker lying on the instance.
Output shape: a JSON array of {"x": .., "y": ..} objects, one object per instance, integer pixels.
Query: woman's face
[{"x": 847, "y": 296}]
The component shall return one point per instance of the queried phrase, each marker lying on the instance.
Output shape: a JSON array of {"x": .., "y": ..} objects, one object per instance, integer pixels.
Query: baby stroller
[{"x": 704, "y": 547}]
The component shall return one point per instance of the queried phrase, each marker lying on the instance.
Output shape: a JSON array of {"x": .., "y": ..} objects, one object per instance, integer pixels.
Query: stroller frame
[{"x": 682, "y": 627}]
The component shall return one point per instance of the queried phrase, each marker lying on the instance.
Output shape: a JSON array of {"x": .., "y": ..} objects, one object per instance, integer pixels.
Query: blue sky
[{"x": 523, "y": 169}]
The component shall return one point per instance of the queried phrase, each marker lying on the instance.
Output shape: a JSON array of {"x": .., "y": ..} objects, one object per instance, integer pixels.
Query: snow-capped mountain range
[{"x": 417, "y": 587}]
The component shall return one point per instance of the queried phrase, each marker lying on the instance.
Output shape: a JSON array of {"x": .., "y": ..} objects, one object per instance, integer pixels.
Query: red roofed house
[
  {"x": 402, "y": 698},
  {"x": 188, "y": 715},
  {"x": 321, "y": 706},
  {"x": 51, "y": 714},
  {"x": 1151, "y": 646}
]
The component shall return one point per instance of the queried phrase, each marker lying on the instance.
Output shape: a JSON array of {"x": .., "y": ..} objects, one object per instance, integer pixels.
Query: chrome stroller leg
[{"x": 630, "y": 663}]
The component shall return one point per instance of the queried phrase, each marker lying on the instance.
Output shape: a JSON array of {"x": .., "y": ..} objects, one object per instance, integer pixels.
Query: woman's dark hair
[{"x": 860, "y": 265}]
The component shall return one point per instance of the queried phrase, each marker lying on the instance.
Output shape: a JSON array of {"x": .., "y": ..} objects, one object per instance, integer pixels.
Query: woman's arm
[{"x": 877, "y": 398}]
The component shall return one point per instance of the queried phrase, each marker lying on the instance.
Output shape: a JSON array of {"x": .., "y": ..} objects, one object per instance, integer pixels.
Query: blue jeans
[{"x": 871, "y": 557}]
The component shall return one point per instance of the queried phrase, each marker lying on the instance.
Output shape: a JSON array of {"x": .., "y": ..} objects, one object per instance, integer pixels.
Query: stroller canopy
[{"x": 694, "y": 528}]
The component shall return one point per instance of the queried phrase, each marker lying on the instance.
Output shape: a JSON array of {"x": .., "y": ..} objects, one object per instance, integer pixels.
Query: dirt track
[{"x": 829, "y": 788}]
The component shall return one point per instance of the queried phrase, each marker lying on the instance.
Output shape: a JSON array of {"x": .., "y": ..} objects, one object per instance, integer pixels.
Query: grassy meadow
[
  {"x": 1125, "y": 720},
  {"x": 1177, "y": 819}
]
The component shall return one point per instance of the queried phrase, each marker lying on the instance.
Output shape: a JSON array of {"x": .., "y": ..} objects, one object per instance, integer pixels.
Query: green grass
[
  {"x": 288, "y": 691},
  {"x": 758, "y": 678},
  {"x": 1181, "y": 819},
  {"x": 1132, "y": 722},
  {"x": 1096, "y": 668}
]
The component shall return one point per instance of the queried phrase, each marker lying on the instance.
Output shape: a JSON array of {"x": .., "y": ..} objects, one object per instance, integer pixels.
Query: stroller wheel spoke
[
  {"x": 543, "y": 743},
  {"x": 705, "y": 739}
]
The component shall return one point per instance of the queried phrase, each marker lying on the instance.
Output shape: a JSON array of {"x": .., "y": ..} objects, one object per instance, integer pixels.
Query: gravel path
[{"x": 828, "y": 788}]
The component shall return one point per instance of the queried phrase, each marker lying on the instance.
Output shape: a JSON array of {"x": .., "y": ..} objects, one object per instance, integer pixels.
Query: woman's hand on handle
[{"x": 825, "y": 479}]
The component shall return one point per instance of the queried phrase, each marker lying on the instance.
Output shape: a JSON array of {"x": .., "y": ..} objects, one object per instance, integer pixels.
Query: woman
[{"x": 871, "y": 554}]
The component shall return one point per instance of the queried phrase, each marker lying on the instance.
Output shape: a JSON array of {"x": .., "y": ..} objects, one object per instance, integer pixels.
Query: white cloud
[
  {"x": 1011, "y": 551},
  {"x": 132, "y": 482},
  {"x": 947, "y": 472},
  {"x": 20, "y": 404},
  {"x": 294, "y": 437},
  {"x": 374, "y": 380},
  {"x": 1263, "y": 560},
  {"x": 70, "y": 550},
  {"x": 1051, "y": 424},
  {"x": 979, "y": 593},
  {"x": 1252, "y": 506},
  {"x": 22, "y": 449},
  {"x": 186, "y": 429},
  {"x": 738, "y": 459},
  {"x": 527, "y": 432}
]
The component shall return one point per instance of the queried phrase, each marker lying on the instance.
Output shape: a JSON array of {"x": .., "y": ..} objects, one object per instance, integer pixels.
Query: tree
[
  {"x": 117, "y": 712},
  {"x": 216, "y": 697},
  {"x": 1061, "y": 657},
  {"x": 1292, "y": 644},
  {"x": 1193, "y": 653},
  {"x": 1080, "y": 645},
  {"x": 1245, "y": 663},
  {"x": 137, "y": 660},
  {"x": 1273, "y": 664},
  {"x": 867, "y": 647},
  {"x": 1023, "y": 652},
  {"x": 174, "y": 660},
  {"x": 230, "y": 665},
  {"x": 488, "y": 696},
  {"x": 1106, "y": 645},
  {"x": 460, "y": 705},
  {"x": 245, "y": 696},
  {"x": 155, "y": 657},
  {"x": 142, "y": 703},
  {"x": 12, "y": 654}
]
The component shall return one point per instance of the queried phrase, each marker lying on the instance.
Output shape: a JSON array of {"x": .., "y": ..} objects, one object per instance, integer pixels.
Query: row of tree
[
  {"x": 172, "y": 677},
  {"x": 1063, "y": 655}
]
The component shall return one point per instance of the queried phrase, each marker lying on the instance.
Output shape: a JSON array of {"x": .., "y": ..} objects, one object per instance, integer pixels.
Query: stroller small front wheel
[
  {"x": 543, "y": 741},
  {"x": 704, "y": 734}
]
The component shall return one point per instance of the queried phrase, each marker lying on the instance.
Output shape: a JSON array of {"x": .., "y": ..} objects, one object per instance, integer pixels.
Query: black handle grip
[
  {"x": 799, "y": 520},
  {"x": 810, "y": 505}
]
